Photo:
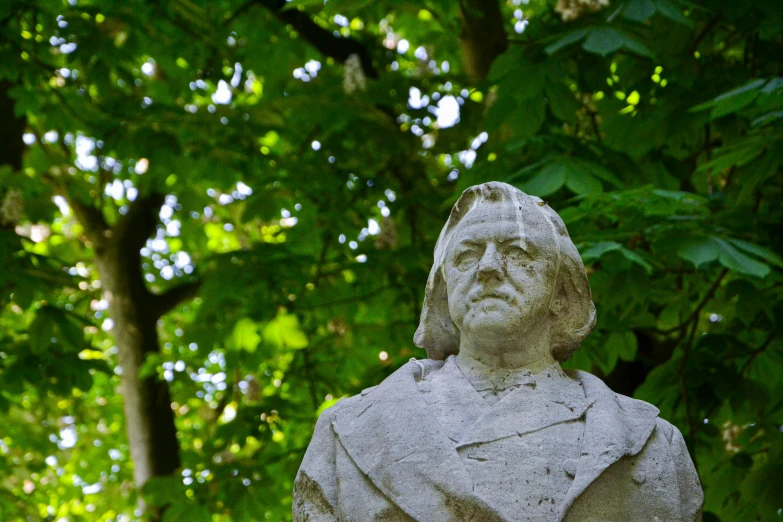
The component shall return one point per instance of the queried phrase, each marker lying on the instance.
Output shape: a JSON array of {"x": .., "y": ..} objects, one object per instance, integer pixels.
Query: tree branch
[
  {"x": 325, "y": 240},
  {"x": 686, "y": 352},
  {"x": 343, "y": 300},
  {"x": 704, "y": 31},
  {"x": 133, "y": 229},
  {"x": 483, "y": 37},
  {"x": 699, "y": 307},
  {"x": 309, "y": 377},
  {"x": 755, "y": 353},
  {"x": 684, "y": 388},
  {"x": 96, "y": 230},
  {"x": 11, "y": 130},
  {"x": 750, "y": 360},
  {"x": 322, "y": 39},
  {"x": 168, "y": 300},
  {"x": 596, "y": 130}
]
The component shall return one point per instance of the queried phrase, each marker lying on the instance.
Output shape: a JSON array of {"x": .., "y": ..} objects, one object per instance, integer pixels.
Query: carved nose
[{"x": 490, "y": 266}]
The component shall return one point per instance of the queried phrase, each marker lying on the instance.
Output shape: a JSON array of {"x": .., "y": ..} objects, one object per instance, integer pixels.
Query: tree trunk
[
  {"x": 483, "y": 37},
  {"x": 149, "y": 420},
  {"x": 11, "y": 130}
]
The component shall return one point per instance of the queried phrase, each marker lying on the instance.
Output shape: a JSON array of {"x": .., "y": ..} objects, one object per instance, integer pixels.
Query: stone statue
[{"x": 490, "y": 427}]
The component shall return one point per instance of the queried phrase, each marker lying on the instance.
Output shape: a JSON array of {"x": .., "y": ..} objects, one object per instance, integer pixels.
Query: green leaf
[
  {"x": 606, "y": 354},
  {"x": 562, "y": 102},
  {"x": 149, "y": 368},
  {"x": 327, "y": 404},
  {"x": 662, "y": 383},
  {"x": 264, "y": 206},
  {"x": 501, "y": 111},
  {"x": 637, "y": 47},
  {"x": 526, "y": 82},
  {"x": 599, "y": 249},
  {"x": 763, "y": 487},
  {"x": 525, "y": 170},
  {"x": 768, "y": 366},
  {"x": 604, "y": 41},
  {"x": 767, "y": 167},
  {"x": 639, "y": 10},
  {"x": 737, "y": 157},
  {"x": 245, "y": 335},
  {"x": 699, "y": 252},
  {"x": 733, "y": 104},
  {"x": 528, "y": 117},
  {"x": 671, "y": 316},
  {"x": 504, "y": 64},
  {"x": 164, "y": 490},
  {"x": 764, "y": 253},
  {"x": 767, "y": 118},
  {"x": 293, "y": 4},
  {"x": 636, "y": 258},
  {"x": 671, "y": 12},
  {"x": 42, "y": 329},
  {"x": 249, "y": 508},
  {"x": 598, "y": 171},
  {"x": 623, "y": 344},
  {"x": 733, "y": 100},
  {"x": 284, "y": 332},
  {"x": 187, "y": 512},
  {"x": 70, "y": 334},
  {"x": 735, "y": 260},
  {"x": 50, "y": 324},
  {"x": 24, "y": 295},
  {"x": 568, "y": 39},
  {"x": 583, "y": 184},
  {"x": 549, "y": 180},
  {"x": 750, "y": 86}
]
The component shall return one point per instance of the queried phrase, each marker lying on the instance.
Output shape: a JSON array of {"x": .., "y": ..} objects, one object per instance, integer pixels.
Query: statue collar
[
  {"x": 535, "y": 402},
  {"x": 393, "y": 438},
  {"x": 501, "y": 383},
  {"x": 616, "y": 426}
]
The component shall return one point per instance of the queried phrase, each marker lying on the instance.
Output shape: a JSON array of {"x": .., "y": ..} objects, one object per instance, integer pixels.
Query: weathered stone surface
[{"x": 490, "y": 427}]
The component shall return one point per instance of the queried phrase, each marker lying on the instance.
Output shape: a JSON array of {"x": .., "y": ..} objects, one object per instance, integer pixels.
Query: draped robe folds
[
  {"x": 395, "y": 453},
  {"x": 540, "y": 418}
]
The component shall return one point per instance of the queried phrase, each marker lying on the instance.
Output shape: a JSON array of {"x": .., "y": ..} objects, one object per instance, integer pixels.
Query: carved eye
[
  {"x": 466, "y": 259},
  {"x": 517, "y": 256}
]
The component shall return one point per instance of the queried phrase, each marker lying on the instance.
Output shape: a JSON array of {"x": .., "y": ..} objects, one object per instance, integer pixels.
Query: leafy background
[{"x": 257, "y": 186}]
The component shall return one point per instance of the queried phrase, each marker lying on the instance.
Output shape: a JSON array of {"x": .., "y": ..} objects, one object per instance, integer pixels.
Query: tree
[{"x": 217, "y": 219}]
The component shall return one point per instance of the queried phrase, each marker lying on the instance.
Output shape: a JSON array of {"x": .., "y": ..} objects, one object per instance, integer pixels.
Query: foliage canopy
[{"x": 231, "y": 206}]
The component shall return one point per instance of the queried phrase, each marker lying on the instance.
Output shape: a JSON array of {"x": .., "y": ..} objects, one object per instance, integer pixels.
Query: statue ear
[{"x": 436, "y": 332}]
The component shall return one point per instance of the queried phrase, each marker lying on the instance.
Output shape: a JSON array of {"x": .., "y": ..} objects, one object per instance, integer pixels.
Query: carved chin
[
  {"x": 489, "y": 314},
  {"x": 497, "y": 315}
]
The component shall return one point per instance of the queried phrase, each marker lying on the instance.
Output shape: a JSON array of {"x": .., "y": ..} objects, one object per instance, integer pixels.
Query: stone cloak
[{"x": 382, "y": 456}]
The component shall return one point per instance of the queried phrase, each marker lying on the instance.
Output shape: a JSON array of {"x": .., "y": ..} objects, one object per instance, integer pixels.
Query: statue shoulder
[
  {"x": 596, "y": 388},
  {"x": 669, "y": 431},
  {"x": 416, "y": 368},
  {"x": 330, "y": 413}
]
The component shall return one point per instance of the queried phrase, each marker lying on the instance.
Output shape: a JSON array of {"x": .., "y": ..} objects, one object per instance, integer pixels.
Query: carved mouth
[{"x": 490, "y": 295}]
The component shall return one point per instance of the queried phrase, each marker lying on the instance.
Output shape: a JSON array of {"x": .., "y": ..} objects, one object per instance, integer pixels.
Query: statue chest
[
  {"x": 527, "y": 475},
  {"x": 521, "y": 451}
]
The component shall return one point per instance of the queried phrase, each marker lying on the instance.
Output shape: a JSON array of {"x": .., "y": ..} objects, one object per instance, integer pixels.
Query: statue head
[{"x": 505, "y": 268}]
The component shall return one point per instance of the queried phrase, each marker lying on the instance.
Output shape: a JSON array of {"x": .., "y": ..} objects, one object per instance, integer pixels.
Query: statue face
[{"x": 498, "y": 283}]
